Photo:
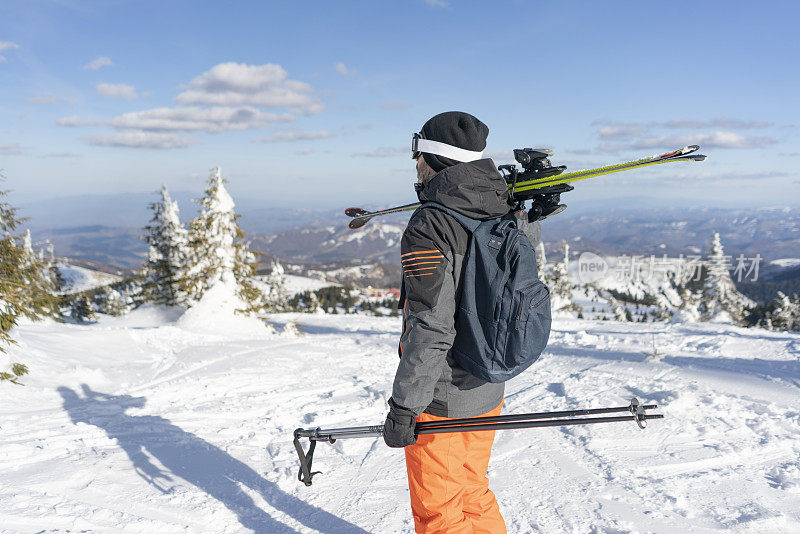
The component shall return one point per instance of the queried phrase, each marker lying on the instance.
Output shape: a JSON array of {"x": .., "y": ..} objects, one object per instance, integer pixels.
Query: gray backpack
[{"x": 503, "y": 320}]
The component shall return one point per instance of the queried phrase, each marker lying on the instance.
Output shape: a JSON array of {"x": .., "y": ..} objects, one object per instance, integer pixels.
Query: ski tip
[
  {"x": 689, "y": 149},
  {"x": 357, "y": 223},
  {"x": 698, "y": 157},
  {"x": 354, "y": 212}
]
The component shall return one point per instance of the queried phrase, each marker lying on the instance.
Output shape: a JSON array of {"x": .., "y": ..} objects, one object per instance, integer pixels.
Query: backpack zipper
[
  {"x": 519, "y": 306},
  {"x": 546, "y": 294}
]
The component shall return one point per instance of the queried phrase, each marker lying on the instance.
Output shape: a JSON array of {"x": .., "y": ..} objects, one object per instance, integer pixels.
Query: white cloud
[
  {"x": 296, "y": 136},
  {"x": 6, "y": 45},
  {"x": 726, "y": 176},
  {"x": 617, "y": 131},
  {"x": 117, "y": 90},
  {"x": 239, "y": 84},
  {"x": 192, "y": 119},
  {"x": 74, "y": 120},
  {"x": 342, "y": 69},
  {"x": 734, "y": 124},
  {"x": 634, "y": 128},
  {"x": 98, "y": 63},
  {"x": 12, "y": 149},
  {"x": 68, "y": 155},
  {"x": 227, "y": 97},
  {"x": 140, "y": 139},
  {"x": 716, "y": 139}
]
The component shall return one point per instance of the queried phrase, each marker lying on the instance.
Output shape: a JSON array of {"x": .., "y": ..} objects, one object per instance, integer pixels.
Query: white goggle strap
[{"x": 448, "y": 151}]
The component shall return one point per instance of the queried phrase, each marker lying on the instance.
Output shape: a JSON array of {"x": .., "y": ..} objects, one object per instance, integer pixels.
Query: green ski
[{"x": 542, "y": 183}]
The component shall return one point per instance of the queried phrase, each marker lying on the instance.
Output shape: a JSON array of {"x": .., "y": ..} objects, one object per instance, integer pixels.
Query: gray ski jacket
[{"x": 433, "y": 246}]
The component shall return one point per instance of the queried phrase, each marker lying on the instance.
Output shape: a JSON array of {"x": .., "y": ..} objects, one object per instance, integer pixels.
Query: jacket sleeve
[{"x": 428, "y": 315}]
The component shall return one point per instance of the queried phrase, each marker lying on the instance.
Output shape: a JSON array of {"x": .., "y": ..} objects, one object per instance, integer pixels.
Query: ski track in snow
[{"x": 137, "y": 425}]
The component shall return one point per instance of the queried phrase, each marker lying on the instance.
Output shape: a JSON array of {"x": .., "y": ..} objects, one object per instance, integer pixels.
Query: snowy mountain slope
[
  {"x": 136, "y": 424},
  {"x": 77, "y": 279},
  {"x": 376, "y": 241}
]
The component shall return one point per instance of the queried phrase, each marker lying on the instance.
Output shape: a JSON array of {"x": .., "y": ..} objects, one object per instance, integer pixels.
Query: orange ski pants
[{"x": 448, "y": 484}]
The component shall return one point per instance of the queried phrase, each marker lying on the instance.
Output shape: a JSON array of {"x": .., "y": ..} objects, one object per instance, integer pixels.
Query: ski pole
[
  {"x": 472, "y": 424},
  {"x": 538, "y": 415}
]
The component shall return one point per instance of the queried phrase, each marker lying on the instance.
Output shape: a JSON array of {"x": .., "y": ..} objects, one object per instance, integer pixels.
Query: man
[{"x": 446, "y": 472}]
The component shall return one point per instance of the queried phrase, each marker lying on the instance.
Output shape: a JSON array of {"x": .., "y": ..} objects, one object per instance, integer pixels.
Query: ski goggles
[{"x": 419, "y": 145}]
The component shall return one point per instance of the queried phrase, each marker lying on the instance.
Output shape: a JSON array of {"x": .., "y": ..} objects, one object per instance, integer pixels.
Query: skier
[{"x": 446, "y": 472}]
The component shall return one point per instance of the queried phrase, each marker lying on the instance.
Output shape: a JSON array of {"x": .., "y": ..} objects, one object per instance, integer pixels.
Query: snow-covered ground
[
  {"x": 298, "y": 284},
  {"x": 77, "y": 279},
  {"x": 147, "y": 424}
]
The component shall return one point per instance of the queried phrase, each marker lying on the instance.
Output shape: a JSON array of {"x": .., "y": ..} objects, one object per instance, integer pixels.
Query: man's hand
[{"x": 398, "y": 430}]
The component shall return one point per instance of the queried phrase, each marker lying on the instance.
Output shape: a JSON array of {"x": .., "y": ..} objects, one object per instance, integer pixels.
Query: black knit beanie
[{"x": 454, "y": 128}]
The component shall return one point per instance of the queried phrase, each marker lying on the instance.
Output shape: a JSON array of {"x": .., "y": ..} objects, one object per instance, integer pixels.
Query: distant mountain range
[{"x": 321, "y": 237}]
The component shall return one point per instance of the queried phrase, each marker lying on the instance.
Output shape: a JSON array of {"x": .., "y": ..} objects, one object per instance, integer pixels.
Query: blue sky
[{"x": 314, "y": 103}]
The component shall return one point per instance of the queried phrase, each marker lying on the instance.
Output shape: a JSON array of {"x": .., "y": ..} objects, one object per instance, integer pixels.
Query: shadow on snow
[{"x": 193, "y": 459}]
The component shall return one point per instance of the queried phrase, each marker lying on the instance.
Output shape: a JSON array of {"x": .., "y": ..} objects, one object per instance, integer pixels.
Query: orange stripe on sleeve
[
  {"x": 422, "y": 263},
  {"x": 419, "y": 252},
  {"x": 426, "y": 257},
  {"x": 419, "y": 274},
  {"x": 420, "y": 269}
]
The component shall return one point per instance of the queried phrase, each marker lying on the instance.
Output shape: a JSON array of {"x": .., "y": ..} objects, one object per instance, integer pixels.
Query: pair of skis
[
  {"x": 635, "y": 412},
  {"x": 361, "y": 216}
]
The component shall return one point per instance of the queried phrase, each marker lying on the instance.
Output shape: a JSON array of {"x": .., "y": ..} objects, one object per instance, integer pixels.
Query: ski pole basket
[{"x": 635, "y": 412}]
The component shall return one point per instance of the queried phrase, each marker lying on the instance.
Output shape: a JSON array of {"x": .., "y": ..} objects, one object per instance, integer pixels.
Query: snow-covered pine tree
[
  {"x": 312, "y": 303},
  {"x": 785, "y": 314},
  {"x": 277, "y": 297},
  {"x": 560, "y": 285},
  {"x": 620, "y": 312},
  {"x": 541, "y": 261},
  {"x": 217, "y": 248},
  {"x": 82, "y": 309},
  {"x": 49, "y": 261},
  {"x": 112, "y": 302},
  {"x": 689, "y": 304},
  {"x": 167, "y": 260},
  {"x": 720, "y": 297},
  {"x": 24, "y": 291},
  {"x": 46, "y": 277}
]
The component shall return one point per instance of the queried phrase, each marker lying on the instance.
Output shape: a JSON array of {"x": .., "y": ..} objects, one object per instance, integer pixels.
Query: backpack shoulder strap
[{"x": 470, "y": 224}]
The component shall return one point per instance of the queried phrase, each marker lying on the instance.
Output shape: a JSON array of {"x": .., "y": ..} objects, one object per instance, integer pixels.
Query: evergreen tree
[
  {"x": 24, "y": 288},
  {"x": 277, "y": 297},
  {"x": 541, "y": 261},
  {"x": 619, "y": 311},
  {"x": 719, "y": 293},
  {"x": 82, "y": 309},
  {"x": 560, "y": 286},
  {"x": 785, "y": 314},
  {"x": 112, "y": 302},
  {"x": 48, "y": 259},
  {"x": 167, "y": 260},
  {"x": 217, "y": 249},
  {"x": 690, "y": 302},
  {"x": 312, "y": 303}
]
